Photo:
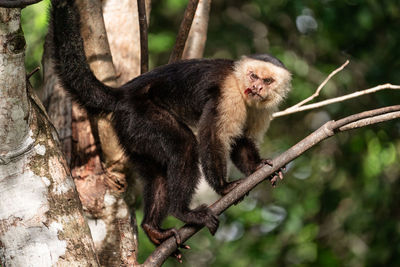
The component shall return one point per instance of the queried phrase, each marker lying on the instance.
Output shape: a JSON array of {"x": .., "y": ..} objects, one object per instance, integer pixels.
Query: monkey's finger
[
  {"x": 274, "y": 178},
  {"x": 267, "y": 162},
  {"x": 184, "y": 246},
  {"x": 212, "y": 224},
  {"x": 177, "y": 255},
  {"x": 177, "y": 235},
  {"x": 280, "y": 175}
]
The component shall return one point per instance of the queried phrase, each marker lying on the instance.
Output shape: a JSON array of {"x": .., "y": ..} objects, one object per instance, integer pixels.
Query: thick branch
[
  {"x": 17, "y": 3},
  {"x": 197, "y": 38},
  {"x": 325, "y": 131},
  {"x": 184, "y": 30},
  {"x": 144, "y": 51}
]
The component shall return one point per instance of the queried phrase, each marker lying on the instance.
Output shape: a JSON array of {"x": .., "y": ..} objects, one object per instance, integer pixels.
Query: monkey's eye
[
  {"x": 253, "y": 76},
  {"x": 268, "y": 80}
]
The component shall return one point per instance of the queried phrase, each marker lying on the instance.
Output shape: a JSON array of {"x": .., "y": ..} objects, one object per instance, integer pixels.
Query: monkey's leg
[
  {"x": 156, "y": 202},
  {"x": 183, "y": 175}
]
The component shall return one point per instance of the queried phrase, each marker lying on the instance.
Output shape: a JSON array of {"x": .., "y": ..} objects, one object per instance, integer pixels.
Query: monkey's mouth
[{"x": 253, "y": 94}]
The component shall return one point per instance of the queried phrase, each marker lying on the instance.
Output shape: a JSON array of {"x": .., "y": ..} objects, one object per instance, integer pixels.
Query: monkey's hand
[{"x": 274, "y": 177}]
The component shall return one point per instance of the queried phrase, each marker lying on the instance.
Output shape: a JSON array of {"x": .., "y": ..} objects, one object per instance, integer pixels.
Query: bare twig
[
  {"x": 337, "y": 99},
  {"x": 17, "y": 3},
  {"x": 144, "y": 51},
  {"x": 184, "y": 31},
  {"x": 29, "y": 75},
  {"x": 319, "y": 87},
  {"x": 325, "y": 131}
]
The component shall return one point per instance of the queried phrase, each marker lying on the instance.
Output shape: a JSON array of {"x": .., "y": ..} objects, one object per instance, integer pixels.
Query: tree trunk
[
  {"x": 41, "y": 220},
  {"x": 98, "y": 165}
]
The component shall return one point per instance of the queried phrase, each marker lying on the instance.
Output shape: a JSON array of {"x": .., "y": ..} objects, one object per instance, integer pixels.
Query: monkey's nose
[{"x": 257, "y": 88}]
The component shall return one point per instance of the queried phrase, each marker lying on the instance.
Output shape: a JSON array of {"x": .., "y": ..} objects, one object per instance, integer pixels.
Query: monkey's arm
[
  {"x": 212, "y": 152},
  {"x": 245, "y": 156}
]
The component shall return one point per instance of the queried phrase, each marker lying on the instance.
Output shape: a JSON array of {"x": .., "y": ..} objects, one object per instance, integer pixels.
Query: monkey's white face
[{"x": 263, "y": 84}]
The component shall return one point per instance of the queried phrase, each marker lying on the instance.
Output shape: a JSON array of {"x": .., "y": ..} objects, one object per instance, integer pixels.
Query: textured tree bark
[
  {"x": 196, "y": 42},
  {"x": 57, "y": 103},
  {"x": 143, "y": 33},
  {"x": 122, "y": 25},
  {"x": 114, "y": 235},
  {"x": 184, "y": 29},
  {"x": 41, "y": 219},
  {"x": 98, "y": 164}
]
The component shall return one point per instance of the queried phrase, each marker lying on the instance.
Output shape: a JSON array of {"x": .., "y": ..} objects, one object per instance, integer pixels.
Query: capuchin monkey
[{"x": 228, "y": 103}]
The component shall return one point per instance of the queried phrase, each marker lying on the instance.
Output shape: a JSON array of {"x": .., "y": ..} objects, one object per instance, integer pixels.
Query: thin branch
[
  {"x": 319, "y": 87},
  {"x": 337, "y": 99},
  {"x": 369, "y": 121},
  {"x": 144, "y": 51},
  {"x": 365, "y": 115},
  {"x": 184, "y": 30},
  {"x": 17, "y": 3},
  {"x": 325, "y": 131},
  {"x": 30, "y": 74}
]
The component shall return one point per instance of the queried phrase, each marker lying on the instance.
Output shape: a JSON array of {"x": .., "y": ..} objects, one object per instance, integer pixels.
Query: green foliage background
[{"x": 339, "y": 203}]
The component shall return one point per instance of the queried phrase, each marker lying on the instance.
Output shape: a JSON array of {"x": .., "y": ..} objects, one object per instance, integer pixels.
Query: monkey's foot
[
  {"x": 274, "y": 177},
  {"x": 209, "y": 219},
  {"x": 201, "y": 215},
  {"x": 230, "y": 186},
  {"x": 158, "y": 235}
]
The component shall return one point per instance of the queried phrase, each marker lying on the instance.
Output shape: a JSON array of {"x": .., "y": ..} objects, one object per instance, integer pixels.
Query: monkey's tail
[{"x": 70, "y": 61}]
